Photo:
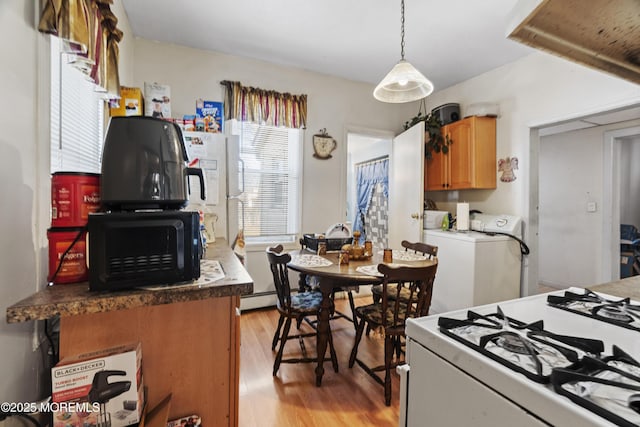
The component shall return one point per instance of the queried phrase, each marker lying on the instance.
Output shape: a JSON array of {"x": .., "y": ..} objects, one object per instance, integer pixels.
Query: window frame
[{"x": 296, "y": 168}]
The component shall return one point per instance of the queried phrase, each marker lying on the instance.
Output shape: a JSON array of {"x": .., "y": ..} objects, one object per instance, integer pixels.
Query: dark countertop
[{"x": 74, "y": 299}]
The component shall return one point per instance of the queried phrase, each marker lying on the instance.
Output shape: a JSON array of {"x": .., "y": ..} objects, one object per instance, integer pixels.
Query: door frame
[
  {"x": 531, "y": 265},
  {"x": 611, "y": 200},
  {"x": 355, "y": 130}
]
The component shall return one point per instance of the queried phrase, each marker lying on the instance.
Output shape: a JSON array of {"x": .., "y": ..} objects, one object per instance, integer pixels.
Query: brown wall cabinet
[{"x": 471, "y": 160}]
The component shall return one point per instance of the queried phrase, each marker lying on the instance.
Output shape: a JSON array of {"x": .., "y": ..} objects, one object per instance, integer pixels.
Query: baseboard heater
[{"x": 259, "y": 294}]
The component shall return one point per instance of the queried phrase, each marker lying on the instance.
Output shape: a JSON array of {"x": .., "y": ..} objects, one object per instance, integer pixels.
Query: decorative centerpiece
[{"x": 356, "y": 251}]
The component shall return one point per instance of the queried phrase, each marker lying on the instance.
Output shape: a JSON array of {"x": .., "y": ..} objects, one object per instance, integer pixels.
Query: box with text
[{"x": 106, "y": 384}]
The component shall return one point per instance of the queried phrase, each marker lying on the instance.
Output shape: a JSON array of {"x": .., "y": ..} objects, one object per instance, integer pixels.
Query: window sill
[{"x": 262, "y": 246}]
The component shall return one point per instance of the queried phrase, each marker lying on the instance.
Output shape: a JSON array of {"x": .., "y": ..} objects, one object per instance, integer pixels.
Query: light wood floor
[{"x": 347, "y": 398}]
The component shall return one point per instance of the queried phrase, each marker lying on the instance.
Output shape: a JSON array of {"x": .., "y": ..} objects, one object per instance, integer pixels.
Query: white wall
[
  {"x": 570, "y": 175},
  {"x": 20, "y": 247},
  {"x": 536, "y": 90}
]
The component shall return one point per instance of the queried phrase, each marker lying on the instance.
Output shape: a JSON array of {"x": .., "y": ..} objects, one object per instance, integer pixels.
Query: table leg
[
  {"x": 326, "y": 286},
  {"x": 302, "y": 282}
]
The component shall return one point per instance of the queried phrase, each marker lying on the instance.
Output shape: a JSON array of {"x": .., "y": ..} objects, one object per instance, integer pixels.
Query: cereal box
[{"x": 211, "y": 113}]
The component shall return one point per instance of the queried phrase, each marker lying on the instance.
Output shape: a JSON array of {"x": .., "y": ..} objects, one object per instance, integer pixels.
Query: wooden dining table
[{"x": 336, "y": 276}]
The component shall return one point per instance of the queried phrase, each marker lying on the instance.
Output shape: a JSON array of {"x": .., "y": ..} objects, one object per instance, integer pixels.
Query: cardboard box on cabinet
[
  {"x": 131, "y": 103},
  {"x": 101, "y": 387}
]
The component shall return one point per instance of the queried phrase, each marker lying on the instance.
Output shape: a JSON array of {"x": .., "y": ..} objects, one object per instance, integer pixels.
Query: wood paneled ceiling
[{"x": 603, "y": 34}]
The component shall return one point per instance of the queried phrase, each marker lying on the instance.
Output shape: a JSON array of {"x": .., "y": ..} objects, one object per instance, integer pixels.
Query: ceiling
[
  {"x": 631, "y": 113},
  {"x": 448, "y": 41}
]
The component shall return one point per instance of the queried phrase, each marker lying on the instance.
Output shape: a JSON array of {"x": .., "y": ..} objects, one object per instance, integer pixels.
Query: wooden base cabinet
[
  {"x": 190, "y": 349},
  {"x": 471, "y": 160}
]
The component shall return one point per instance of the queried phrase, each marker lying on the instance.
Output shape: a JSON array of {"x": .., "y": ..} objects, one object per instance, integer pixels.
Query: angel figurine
[{"x": 507, "y": 166}]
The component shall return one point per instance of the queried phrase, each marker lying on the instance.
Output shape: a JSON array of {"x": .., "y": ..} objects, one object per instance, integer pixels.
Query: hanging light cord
[{"x": 402, "y": 30}]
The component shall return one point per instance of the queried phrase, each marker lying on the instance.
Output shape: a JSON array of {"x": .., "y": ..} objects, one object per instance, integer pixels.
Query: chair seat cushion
[
  {"x": 392, "y": 291},
  {"x": 372, "y": 313},
  {"x": 306, "y": 302}
]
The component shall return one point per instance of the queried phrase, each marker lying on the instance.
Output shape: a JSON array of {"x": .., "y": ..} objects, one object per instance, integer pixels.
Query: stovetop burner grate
[
  {"x": 609, "y": 387},
  {"x": 619, "y": 312},
  {"x": 525, "y": 348}
]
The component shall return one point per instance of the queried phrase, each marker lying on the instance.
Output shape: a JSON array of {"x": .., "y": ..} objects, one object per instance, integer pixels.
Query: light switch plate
[{"x": 592, "y": 206}]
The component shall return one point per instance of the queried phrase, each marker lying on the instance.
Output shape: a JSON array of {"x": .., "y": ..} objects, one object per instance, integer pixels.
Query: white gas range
[{"x": 454, "y": 377}]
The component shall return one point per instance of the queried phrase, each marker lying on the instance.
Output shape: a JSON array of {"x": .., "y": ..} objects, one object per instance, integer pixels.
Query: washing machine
[{"x": 480, "y": 266}]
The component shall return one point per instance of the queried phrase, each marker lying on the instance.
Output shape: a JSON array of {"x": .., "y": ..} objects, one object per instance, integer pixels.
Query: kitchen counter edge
[
  {"x": 624, "y": 288},
  {"x": 75, "y": 299}
]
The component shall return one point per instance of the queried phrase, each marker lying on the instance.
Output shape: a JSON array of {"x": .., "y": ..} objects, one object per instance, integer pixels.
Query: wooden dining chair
[
  {"x": 390, "y": 316},
  {"x": 430, "y": 251},
  {"x": 293, "y": 306}
]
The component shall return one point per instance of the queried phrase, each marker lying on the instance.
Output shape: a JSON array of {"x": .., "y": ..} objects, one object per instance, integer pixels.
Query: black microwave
[{"x": 131, "y": 249}]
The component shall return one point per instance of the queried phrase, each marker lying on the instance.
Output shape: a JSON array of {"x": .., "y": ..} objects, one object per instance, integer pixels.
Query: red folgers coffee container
[
  {"x": 74, "y": 265},
  {"x": 73, "y": 196}
]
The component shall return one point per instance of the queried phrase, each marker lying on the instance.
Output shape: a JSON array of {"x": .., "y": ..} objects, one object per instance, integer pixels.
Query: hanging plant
[{"x": 433, "y": 127}]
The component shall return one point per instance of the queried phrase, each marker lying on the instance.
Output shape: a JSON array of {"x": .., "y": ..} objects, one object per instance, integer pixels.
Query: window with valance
[
  {"x": 88, "y": 32},
  {"x": 270, "y": 129},
  {"x": 84, "y": 74}
]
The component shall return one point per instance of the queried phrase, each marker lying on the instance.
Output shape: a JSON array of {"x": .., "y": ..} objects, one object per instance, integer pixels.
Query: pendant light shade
[{"x": 403, "y": 83}]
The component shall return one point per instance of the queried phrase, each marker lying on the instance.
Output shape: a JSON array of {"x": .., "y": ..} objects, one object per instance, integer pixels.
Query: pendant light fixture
[{"x": 403, "y": 83}]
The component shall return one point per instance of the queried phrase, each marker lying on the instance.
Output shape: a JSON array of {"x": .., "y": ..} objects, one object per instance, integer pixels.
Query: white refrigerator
[{"x": 218, "y": 155}]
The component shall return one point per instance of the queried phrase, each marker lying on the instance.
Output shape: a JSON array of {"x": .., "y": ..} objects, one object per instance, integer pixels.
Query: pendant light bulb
[{"x": 404, "y": 83}]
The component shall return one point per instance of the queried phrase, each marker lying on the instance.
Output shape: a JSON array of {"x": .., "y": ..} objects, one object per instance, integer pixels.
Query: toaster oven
[{"x": 131, "y": 249}]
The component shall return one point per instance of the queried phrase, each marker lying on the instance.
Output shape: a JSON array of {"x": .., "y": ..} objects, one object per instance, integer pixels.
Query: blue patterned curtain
[{"x": 367, "y": 176}]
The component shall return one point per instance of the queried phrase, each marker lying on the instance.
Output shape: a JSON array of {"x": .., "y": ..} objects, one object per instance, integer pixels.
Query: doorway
[
  {"x": 366, "y": 151},
  {"x": 622, "y": 199},
  {"x": 579, "y": 195}
]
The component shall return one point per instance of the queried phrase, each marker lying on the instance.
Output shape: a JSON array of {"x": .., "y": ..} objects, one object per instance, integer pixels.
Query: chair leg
[
  {"x": 299, "y": 321},
  {"x": 353, "y": 310},
  {"x": 388, "y": 356},
  {"x": 376, "y": 298},
  {"x": 354, "y": 351},
  {"x": 276, "y": 336},
  {"x": 283, "y": 340}
]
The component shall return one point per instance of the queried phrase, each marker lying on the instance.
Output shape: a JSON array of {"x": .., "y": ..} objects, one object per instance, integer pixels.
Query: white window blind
[
  {"x": 272, "y": 159},
  {"x": 76, "y": 117}
]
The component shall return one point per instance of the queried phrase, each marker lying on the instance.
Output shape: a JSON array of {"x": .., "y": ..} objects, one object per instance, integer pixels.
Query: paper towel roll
[{"x": 462, "y": 217}]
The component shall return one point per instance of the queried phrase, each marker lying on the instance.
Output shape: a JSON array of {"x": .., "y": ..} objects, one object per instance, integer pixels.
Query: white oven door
[{"x": 440, "y": 394}]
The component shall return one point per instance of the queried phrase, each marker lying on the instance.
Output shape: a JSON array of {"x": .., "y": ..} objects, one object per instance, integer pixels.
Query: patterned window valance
[
  {"x": 250, "y": 104},
  {"x": 89, "y": 31}
]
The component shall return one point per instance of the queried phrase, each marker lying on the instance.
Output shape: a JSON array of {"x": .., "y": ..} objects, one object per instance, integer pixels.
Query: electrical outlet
[{"x": 592, "y": 206}]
